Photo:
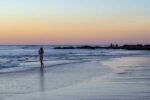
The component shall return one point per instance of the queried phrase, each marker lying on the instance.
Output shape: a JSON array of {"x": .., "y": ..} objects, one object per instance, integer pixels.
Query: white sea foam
[{"x": 26, "y": 66}]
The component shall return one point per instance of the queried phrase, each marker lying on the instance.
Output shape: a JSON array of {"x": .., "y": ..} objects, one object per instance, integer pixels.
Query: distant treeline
[{"x": 111, "y": 46}]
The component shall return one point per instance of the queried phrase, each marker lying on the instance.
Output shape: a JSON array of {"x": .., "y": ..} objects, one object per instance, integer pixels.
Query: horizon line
[{"x": 77, "y": 44}]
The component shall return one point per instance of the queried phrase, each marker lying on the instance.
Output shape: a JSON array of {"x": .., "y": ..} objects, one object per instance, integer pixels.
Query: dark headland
[{"x": 111, "y": 46}]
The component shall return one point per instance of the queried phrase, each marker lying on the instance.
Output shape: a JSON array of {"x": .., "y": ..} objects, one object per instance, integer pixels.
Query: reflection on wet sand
[
  {"x": 42, "y": 87},
  {"x": 42, "y": 83}
]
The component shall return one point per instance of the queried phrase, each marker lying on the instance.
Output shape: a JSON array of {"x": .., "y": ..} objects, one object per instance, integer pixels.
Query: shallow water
[{"x": 20, "y": 56}]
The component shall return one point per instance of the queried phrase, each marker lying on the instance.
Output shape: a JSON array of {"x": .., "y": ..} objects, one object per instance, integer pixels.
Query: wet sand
[{"x": 123, "y": 78}]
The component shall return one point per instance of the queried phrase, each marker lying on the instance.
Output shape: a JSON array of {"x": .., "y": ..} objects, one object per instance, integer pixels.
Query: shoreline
[{"x": 24, "y": 69}]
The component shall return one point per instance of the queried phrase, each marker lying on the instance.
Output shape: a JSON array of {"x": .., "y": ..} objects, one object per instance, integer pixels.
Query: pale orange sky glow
[{"x": 84, "y": 24}]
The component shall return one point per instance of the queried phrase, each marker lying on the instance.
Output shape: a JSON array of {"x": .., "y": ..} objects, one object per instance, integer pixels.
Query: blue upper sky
[{"x": 99, "y": 7}]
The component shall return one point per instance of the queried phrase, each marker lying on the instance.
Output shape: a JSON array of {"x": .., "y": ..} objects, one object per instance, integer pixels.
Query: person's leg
[{"x": 41, "y": 60}]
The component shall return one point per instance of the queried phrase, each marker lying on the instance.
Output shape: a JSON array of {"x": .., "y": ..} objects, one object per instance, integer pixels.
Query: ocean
[
  {"x": 17, "y": 56},
  {"x": 98, "y": 74}
]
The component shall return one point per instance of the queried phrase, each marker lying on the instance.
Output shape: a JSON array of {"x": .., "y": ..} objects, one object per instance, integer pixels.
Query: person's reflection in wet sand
[
  {"x": 42, "y": 83},
  {"x": 42, "y": 88}
]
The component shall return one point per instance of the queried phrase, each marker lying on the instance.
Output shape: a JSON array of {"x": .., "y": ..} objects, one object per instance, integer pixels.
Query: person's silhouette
[{"x": 41, "y": 54}]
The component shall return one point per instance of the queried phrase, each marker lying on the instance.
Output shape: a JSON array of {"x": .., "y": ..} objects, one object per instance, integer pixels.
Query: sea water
[{"x": 25, "y": 57}]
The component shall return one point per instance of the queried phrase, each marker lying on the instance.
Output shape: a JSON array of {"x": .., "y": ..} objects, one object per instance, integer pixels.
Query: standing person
[{"x": 41, "y": 54}]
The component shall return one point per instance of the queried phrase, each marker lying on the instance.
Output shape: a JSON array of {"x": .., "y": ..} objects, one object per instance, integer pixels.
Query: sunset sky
[{"x": 74, "y": 21}]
